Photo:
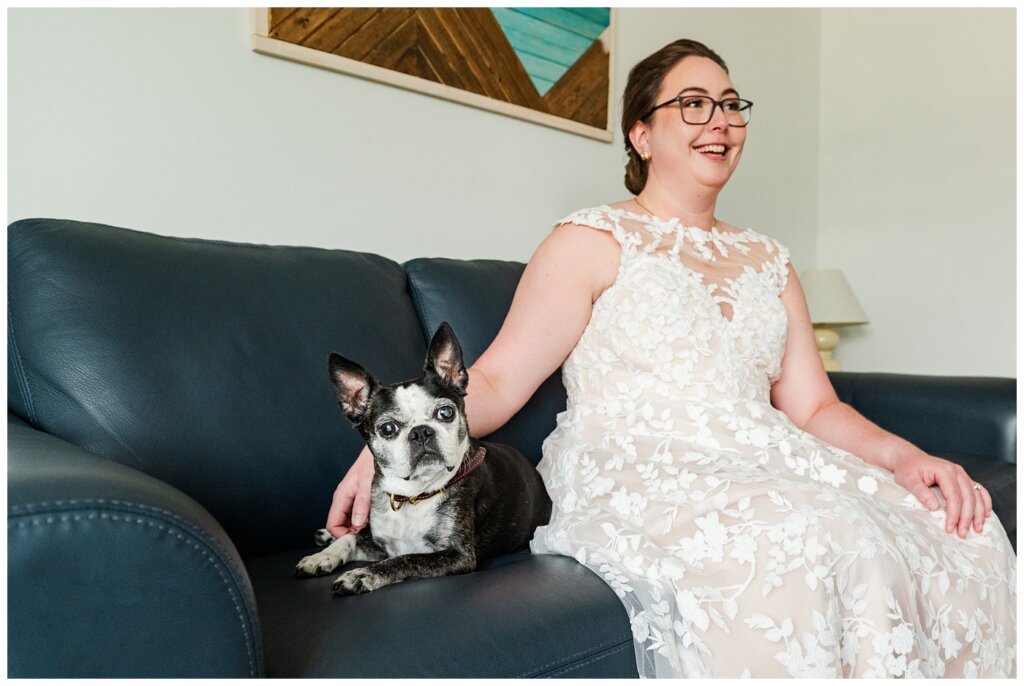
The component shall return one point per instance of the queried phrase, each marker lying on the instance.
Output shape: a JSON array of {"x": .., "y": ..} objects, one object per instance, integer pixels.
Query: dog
[{"x": 441, "y": 501}]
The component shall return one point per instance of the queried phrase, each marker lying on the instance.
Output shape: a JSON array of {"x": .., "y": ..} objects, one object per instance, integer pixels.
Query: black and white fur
[{"x": 419, "y": 438}]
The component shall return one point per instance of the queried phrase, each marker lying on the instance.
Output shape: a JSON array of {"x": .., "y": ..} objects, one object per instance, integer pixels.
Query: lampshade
[{"x": 830, "y": 298}]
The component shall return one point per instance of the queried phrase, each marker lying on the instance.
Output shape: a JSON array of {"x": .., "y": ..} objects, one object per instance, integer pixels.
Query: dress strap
[
  {"x": 778, "y": 265},
  {"x": 604, "y": 218},
  {"x": 594, "y": 217}
]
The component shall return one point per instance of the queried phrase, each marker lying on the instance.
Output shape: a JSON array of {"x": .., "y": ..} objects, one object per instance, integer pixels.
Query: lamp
[{"x": 832, "y": 303}]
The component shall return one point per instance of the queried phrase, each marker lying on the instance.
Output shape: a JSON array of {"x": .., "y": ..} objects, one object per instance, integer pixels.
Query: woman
[{"x": 751, "y": 523}]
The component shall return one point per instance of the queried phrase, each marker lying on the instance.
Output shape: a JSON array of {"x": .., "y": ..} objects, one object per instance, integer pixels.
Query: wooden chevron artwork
[{"x": 547, "y": 65}]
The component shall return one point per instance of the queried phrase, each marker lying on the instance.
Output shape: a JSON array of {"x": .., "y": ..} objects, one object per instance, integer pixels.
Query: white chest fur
[{"x": 405, "y": 531}]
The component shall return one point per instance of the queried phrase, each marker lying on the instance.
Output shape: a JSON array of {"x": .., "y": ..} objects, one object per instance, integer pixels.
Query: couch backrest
[
  {"x": 943, "y": 415},
  {"x": 474, "y": 296},
  {"x": 204, "y": 363}
]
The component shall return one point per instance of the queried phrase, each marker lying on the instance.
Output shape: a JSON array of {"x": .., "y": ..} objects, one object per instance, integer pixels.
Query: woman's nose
[{"x": 718, "y": 121}]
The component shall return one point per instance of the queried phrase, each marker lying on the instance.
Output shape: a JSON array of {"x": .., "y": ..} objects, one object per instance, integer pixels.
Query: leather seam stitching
[
  {"x": 40, "y": 520},
  {"x": 592, "y": 649},
  {"x": 596, "y": 658},
  {"x": 178, "y": 520}
]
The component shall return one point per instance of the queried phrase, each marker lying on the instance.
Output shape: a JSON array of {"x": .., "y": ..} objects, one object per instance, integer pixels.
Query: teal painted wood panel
[
  {"x": 566, "y": 19},
  {"x": 542, "y": 68},
  {"x": 598, "y": 15},
  {"x": 549, "y": 40},
  {"x": 528, "y": 34},
  {"x": 543, "y": 73}
]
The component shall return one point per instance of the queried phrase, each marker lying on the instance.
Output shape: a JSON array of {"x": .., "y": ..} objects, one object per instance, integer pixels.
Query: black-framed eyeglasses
[{"x": 698, "y": 109}]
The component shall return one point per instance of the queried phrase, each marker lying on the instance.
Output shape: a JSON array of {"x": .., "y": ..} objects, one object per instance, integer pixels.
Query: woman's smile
[{"x": 715, "y": 152}]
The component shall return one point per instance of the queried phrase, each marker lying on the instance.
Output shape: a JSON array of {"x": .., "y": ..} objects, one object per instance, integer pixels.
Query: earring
[{"x": 645, "y": 157}]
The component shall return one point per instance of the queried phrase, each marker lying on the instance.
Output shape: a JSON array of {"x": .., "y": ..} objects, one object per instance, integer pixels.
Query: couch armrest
[
  {"x": 112, "y": 573},
  {"x": 973, "y": 416}
]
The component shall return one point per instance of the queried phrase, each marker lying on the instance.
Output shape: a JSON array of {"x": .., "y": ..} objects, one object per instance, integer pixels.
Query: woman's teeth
[{"x": 716, "y": 149}]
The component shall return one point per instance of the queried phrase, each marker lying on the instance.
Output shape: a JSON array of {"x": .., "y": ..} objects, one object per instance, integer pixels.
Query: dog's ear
[
  {"x": 352, "y": 384},
  {"x": 444, "y": 358}
]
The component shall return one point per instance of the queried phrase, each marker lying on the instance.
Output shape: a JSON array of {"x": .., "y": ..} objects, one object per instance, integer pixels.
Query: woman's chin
[{"x": 716, "y": 180}]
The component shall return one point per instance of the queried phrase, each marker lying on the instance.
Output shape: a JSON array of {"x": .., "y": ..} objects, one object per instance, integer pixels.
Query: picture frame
[{"x": 549, "y": 66}]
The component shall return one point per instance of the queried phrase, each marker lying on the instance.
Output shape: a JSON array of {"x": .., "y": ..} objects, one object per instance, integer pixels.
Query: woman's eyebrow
[{"x": 704, "y": 91}]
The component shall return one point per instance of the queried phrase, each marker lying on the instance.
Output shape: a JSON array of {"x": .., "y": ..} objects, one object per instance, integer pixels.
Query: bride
[{"x": 750, "y": 522}]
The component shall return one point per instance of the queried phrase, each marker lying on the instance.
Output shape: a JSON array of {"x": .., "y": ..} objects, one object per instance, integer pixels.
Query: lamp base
[{"x": 827, "y": 340}]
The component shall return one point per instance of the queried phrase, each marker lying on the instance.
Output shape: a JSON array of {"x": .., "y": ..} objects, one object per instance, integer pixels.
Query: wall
[
  {"x": 918, "y": 179},
  {"x": 166, "y": 121}
]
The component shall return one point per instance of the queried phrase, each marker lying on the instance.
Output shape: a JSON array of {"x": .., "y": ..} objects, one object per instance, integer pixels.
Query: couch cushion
[
  {"x": 520, "y": 615},
  {"x": 204, "y": 363},
  {"x": 474, "y": 296}
]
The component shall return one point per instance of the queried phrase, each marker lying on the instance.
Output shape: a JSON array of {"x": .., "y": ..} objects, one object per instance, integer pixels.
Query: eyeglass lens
[{"x": 699, "y": 109}]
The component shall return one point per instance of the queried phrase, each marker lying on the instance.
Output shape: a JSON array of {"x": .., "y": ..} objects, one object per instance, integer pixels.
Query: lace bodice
[{"x": 692, "y": 314}]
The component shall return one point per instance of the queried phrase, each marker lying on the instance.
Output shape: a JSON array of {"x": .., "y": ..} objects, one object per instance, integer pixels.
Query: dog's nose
[{"x": 420, "y": 434}]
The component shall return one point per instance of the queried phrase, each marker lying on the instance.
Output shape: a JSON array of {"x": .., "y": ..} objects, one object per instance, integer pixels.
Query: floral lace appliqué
[{"x": 739, "y": 544}]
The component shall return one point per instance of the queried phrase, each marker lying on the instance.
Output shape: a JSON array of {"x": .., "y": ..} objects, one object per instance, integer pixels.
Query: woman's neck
[{"x": 697, "y": 209}]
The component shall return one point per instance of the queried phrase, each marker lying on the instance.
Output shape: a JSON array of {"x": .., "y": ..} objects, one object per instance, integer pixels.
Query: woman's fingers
[
  {"x": 954, "y": 498},
  {"x": 361, "y": 506},
  {"x": 922, "y": 492},
  {"x": 967, "y": 507},
  {"x": 967, "y": 503},
  {"x": 339, "y": 516},
  {"x": 351, "y": 502},
  {"x": 982, "y": 506}
]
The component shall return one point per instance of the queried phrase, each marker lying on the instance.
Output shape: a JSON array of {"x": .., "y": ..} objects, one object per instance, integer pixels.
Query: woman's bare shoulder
[{"x": 581, "y": 249}]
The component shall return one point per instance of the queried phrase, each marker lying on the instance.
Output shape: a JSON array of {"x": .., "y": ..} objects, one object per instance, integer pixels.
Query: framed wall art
[{"x": 551, "y": 66}]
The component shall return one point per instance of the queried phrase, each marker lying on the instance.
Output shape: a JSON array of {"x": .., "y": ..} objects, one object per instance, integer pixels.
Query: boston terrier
[{"x": 441, "y": 502}]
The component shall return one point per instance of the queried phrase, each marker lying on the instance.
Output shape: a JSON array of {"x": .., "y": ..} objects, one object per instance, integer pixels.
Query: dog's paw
[
  {"x": 358, "y": 581},
  {"x": 317, "y": 564},
  {"x": 323, "y": 537}
]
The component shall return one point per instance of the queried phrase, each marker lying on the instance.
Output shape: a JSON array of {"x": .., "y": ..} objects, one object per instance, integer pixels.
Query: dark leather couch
[{"x": 173, "y": 443}]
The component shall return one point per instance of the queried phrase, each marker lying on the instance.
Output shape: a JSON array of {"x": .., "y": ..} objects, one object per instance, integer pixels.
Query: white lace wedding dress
[{"x": 739, "y": 544}]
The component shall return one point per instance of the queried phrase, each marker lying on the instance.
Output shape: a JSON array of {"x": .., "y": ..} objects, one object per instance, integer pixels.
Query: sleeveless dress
[{"x": 739, "y": 544}]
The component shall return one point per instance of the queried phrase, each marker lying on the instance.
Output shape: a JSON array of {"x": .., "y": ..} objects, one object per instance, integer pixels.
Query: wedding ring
[{"x": 977, "y": 486}]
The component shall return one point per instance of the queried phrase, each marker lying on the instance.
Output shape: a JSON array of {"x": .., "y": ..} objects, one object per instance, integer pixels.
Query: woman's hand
[
  {"x": 917, "y": 471},
  {"x": 350, "y": 507}
]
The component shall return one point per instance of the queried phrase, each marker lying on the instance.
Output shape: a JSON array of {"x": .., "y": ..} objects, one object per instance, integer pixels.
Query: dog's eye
[
  {"x": 387, "y": 429},
  {"x": 445, "y": 413}
]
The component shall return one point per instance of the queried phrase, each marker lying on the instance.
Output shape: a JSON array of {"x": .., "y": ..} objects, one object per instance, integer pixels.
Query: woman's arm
[
  {"x": 550, "y": 310},
  {"x": 805, "y": 394}
]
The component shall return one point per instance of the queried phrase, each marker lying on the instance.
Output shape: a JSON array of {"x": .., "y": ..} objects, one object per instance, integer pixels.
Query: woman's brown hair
[{"x": 642, "y": 88}]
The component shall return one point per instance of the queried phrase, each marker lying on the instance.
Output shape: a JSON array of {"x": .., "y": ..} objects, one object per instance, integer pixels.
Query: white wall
[
  {"x": 166, "y": 121},
  {"x": 918, "y": 179}
]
